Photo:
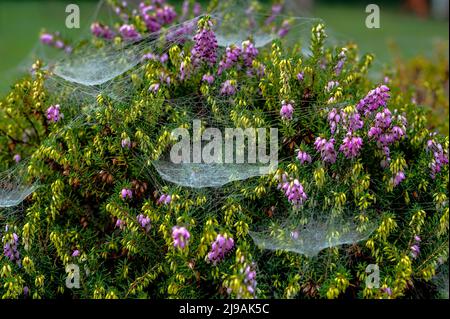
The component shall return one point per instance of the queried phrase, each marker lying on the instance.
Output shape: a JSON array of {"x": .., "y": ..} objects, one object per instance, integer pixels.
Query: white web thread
[
  {"x": 311, "y": 236},
  {"x": 13, "y": 188}
]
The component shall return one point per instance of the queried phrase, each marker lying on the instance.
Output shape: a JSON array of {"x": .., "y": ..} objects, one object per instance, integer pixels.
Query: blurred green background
[{"x": 21, "y": 21}]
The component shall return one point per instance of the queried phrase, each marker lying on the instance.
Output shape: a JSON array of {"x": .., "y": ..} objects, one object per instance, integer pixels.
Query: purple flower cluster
[
  {"x": 326, "y": 149},
  {"x": 205, "y": 48},
  {"x": 250, "y": 278},
  {"x": 165, "y": 199},
  {"x": 166, "y": 15},
  {"x": 415, "y": 248},
  {"x": 126, "y": 143},
  {"x": 129, "y": 32},
  {"x": 334, "y": 118},
  {"x": 398, "y": 178},
  {"x": 54, "y": 113},
  {"x": 249, "y": 53},
  {"x": 208, "y": 78},
  {"x": 287, "y": 110},
  {"x": 440, "y": 157},
  {"x": 293, "y": 190},
  {"x": 351, "y": 145},
  {"x": 55, "y": 41},
  {"x": 331, "y": 85},
  {"x": 180, "y": 236},
  {"x": 126, "y": 193},
  {"x": 300, "y": 76},
  {"x": 351, "y": 122},
  {"x": 373, "y": 100},
  {"x": 219, "y": 248},
  {"x": 144, "y": 221},
  {"x": 304, "y": 157},
  {"x": 156, "y": 15},
  {"x": 101, "y": 31},
  {"x": 10, "y": 248},
  {"x": 385, "y": 132},
  {"x": 230, "y": 58},
  {"x": 341, "y": 60},
  {"x": 228, "y": 88}
]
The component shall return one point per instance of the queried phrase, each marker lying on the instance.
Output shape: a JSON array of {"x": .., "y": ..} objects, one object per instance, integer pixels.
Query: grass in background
[{"x": 21, "y": 22}]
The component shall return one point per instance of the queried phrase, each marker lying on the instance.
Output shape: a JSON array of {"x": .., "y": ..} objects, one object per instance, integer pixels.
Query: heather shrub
[{"x": 361, "y": 178}]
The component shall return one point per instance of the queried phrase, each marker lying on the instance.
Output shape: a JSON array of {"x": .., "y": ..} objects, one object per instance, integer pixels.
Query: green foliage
[{"x": 82, "y": 169}]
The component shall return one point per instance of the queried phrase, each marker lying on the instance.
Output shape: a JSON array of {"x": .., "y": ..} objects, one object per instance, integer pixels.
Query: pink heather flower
[
  {"x": 184, "y": 10},
  {"x": 165, "y": 199},
  {"x": 205, "y": 48},
  {"x": 398, "y": 178},
  {"x": 331, "y": 85},
  {"x": 54, "y": 113},
  {"x": 164, "y": 58},
  {"x": 151, "y": 22},
  {"x": 180, "y": 236},
  {"x": 249, "y": 53},
  {"x": 76, "y": 253},
  {"x": 373, "y": 100},
  {"x": 415, "y": 250},
  {"x": 351, "y": 122},
  {"x": 294, "y": 191},
  {"x": 326, "y": 149},
  {"x": 351, "y": 145},
  {"x": 219, "y": 248},
  {"x": 126, "y": 143},
  {"x": 10, "y": 248},
  {"x": 276, "y": 10},
  {"x": 340, "y": 64},
  {"x": 150, "y": 56},
  {"x": 183, "y": 70},
  {"x": 120, "y": 224},
  {"x": 228, "y": 88},
  {"x": 285, "y": 28},
  {"x": 230, "y": 58},
  {"x": 387, "y": 291},
  {"x": 166, "y": 15},
  {"x": 128, "y": 32},
  {"x": 440, "y": 157},
  {"x": 333, "y": 119},
  {"x": 101, "y": 31},
  {"x": 417, "y": 239},
  {"x": 47, "y": 38},
  {"x": 154, "y": 88},
  {"x": 303, "y": 157},
  {"x": 300, "y": 76},
  {"x": 126, "y": 193},
  {"x": 208, "y": 78},
  {"x": 250, "y": 279},
  {"x": 287, "y": 110},
  {"x": 197, "y": 10},
  {"x": 17, "y": 158},
  {"x": 144, "y": 221}
]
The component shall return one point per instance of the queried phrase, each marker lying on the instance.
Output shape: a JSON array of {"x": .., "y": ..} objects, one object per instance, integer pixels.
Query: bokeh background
[{"x": 409, "y": 28}]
